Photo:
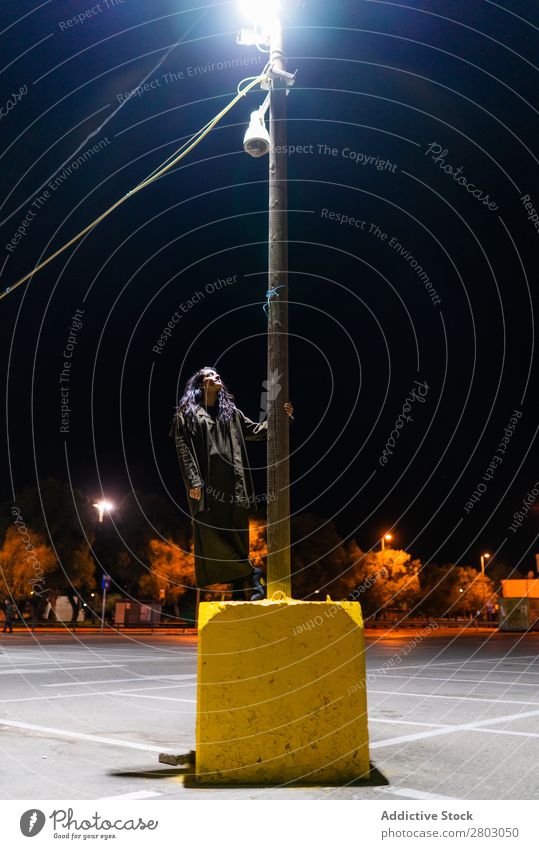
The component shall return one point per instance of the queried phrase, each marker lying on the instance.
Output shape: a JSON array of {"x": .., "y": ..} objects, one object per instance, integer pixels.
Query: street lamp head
[
  {"x": 106, "y": 506},
  {"x": 256, "y": 141},
  {"x": 103, "y": 507},
  {"x": 388, "y": 537},
  {"x": 259, "y": 12}
]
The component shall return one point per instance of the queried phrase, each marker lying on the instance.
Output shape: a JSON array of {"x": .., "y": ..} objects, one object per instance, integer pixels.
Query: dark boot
[{"x": 259, "y": 590}]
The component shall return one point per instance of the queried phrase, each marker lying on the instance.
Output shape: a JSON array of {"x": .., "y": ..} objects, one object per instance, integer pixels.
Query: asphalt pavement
[{"x": 85, "y": 717}]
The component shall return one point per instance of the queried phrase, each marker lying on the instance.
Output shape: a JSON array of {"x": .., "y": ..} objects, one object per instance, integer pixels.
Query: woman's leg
[{"x": 259, "y": 591}]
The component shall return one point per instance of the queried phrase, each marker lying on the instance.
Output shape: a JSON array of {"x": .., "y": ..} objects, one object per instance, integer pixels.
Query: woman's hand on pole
[{"x": 195, "y": 492}]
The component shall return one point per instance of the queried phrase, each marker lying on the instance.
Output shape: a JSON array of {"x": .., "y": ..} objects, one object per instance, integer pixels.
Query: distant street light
[
  {"x": 385, "y": 538},
  {"x": 103, "y": 507}
]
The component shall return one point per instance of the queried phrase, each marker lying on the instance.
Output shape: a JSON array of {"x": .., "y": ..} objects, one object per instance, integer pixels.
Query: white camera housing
[{"x": 256, "y": 141}]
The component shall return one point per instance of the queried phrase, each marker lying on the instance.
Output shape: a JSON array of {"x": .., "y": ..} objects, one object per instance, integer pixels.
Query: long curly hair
[{"x": 192, "y": 397}]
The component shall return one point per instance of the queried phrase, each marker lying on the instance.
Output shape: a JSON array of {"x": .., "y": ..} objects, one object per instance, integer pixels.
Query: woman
[
  {"x": 8, "y": 614},
  {"x": 210, "y": 434}
]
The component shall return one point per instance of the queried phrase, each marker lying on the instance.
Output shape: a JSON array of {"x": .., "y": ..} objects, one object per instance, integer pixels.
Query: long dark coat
[{"x": 221, "y": 552}]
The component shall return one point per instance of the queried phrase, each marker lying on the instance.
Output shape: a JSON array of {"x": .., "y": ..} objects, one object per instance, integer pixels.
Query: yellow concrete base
[{"x": 281, "y": 693}]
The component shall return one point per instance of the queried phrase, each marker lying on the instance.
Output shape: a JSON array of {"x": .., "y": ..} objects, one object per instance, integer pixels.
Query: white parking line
[
  {"x": 486, "y": 700},
  {"x": 122, "y": 680},
  {"x": 67, "y": 671},
  {"x": 506, "y": 658},
  {"x": 452, "y": 729},
  {"x": 463, "y": 680},
  {"x": 92, "y": 738},
  {"x": 440, "y": 725},
  {"x": 407, "y": 722},
  {"x": 509, "y": 733},
  {"x": 408, "y": 793},
  {"x": 159, "y": 698},
  {"x": 86, "y": 693},
  {"x": 136, "y": 794}
]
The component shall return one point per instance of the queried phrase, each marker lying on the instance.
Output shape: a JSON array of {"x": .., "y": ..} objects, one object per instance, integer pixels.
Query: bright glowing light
[
  {"x": 486, "y": 554},
  {"x": 388, "y": 537},
  {"x": 259, "y": 12},
  {"x": 103, "y": 507}
]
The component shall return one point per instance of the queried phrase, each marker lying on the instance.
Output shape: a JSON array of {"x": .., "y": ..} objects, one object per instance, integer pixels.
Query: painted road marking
[
  {"x": 87, "y": 693},
  {"x": 440, "y": 725},
  {"x": 465, "y": 680},
  {"x": 408, "y": 793},
  {"x": 159, "y": 698},
  {"x": 506, "y": 658},
  {"x": 136, "y": 794},
  {"x": 33, "y": 671},
  {"x": 451, "y": 729},
  {"x": 407, "y": 722},
  {"x": 91, "y": 738},
  {"x": 123, "y": 680},
  {"x": 485, "y": 700}
]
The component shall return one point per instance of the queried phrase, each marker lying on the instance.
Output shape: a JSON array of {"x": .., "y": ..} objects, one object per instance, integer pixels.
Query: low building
[{"x": 519, "y": 604}]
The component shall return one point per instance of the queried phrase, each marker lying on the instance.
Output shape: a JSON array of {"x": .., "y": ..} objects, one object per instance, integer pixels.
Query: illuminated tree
[
  {"x": 26, "y": 563},
  {"x": 258, "y": 547},
  {"x": 172, "y": 571},
  {"x": 472, "y": 590},
  {"x": 451, "y": 590},
  {"x": 379, "y": 579}
]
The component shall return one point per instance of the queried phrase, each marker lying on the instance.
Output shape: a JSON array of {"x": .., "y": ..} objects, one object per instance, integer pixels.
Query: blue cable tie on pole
[{"x": 271, "y": 293}]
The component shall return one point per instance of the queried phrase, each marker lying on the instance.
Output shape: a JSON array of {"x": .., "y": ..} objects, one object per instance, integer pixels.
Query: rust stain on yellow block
[{"x": 281, "y": 693}]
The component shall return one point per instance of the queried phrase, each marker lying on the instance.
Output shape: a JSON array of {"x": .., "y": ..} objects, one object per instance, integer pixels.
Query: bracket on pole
[{"x": 284, "y": 79}]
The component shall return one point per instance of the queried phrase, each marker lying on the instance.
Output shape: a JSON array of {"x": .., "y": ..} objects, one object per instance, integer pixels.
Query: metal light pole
[
  {"x": 385, "y": 538},
  {"x": 105, "y": 584},
  {"x": 278, "y": 474},
  {"x": 484, "y": 557},
  {"x": 266, "y": 14},
  {"x": 103, "y": 507}
]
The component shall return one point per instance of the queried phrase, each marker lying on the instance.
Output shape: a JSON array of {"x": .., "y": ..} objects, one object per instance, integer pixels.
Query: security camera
[{"x": 256, "y": 141}]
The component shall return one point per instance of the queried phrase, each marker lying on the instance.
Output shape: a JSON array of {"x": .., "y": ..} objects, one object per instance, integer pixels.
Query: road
[{"x": 85, "y": 718}]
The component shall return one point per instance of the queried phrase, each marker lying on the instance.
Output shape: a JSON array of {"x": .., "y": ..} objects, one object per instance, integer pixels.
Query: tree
[
  {"x": 439, "y": 589},
  {"x": 379, "y": 579},
  {"x": 473, "y": 591},
  {"x": 26, "y": 566},
  {"x": 172, "y": 571},
  {"x": 258, "y": 547},
  {"x": 318, "y": 556},
  {"x": 81, "y": 579},
  {"x": 451, "y": 590},
  {"x": 58, "y": 511},
  {"x": 141, "y": 519},
  {"x": 498, "y": 572},
  {"x": 64, "y": 517}
]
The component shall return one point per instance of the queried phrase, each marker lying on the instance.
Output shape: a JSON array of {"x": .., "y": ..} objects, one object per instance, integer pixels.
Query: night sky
[{"x": 413, "y": 185}]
